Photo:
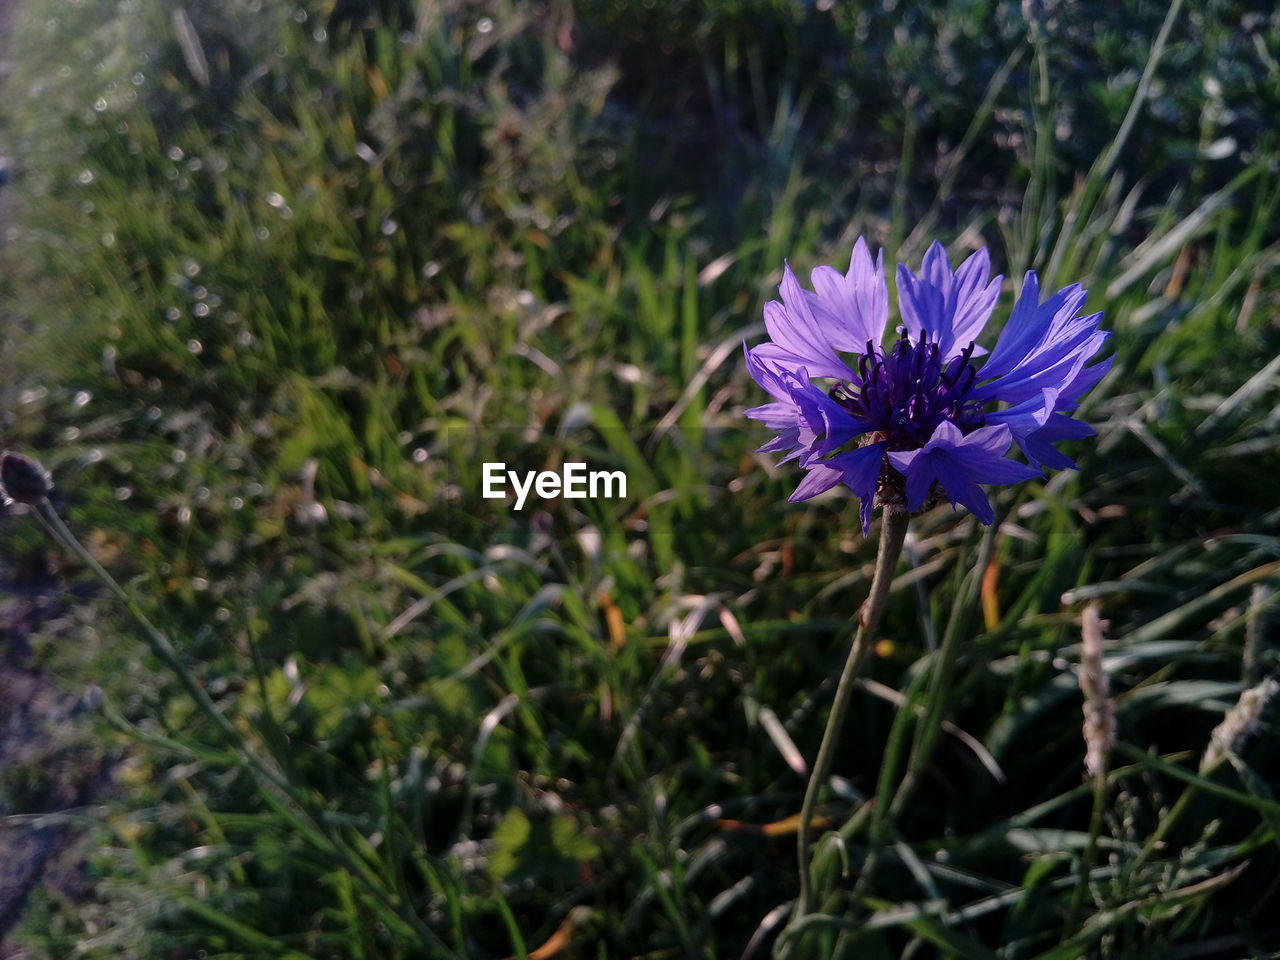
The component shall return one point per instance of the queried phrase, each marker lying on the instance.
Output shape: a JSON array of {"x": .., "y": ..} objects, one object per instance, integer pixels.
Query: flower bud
[{"x": 22, "y": 479}]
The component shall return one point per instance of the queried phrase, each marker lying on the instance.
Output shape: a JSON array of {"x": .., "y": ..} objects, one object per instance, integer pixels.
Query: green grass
[{"x": 269, "y": 306}]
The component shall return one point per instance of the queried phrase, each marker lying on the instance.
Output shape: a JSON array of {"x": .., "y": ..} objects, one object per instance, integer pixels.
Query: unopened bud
[{"x": 22, "y": 479}]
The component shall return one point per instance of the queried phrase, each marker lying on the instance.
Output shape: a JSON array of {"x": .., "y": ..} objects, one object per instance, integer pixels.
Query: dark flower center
[{"x": 904, "y": 394}]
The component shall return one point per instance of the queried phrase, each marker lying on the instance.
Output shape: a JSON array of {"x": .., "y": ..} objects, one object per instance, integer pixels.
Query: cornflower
[{"x": 933, "y": 413}]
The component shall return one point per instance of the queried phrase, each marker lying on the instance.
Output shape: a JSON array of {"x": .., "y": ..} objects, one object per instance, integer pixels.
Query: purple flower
[{"x": 933, "y": 412}]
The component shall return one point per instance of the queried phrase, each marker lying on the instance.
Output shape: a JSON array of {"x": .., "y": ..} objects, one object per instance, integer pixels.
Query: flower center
[{"x": 904, "y": 394}]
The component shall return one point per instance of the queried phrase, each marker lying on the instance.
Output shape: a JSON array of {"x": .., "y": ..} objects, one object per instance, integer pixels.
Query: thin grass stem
[
  {"x": 892, "y": 535},
  {"x": 164, "y": 648}
]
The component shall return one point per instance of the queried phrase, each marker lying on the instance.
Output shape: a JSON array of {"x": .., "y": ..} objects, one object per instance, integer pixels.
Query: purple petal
[
  {"x": 921, "y": 304},
  {"x": 820, "y": 479},
  {"x": 852, "y": 309},
  {"x": 958, "y": 464},
  {"x": 793, "y": 327},
  {"x": 952, "y": 308},
  {"x": 1044, "y": 345},
  {"x": 862, "y": 468},
  {"x": 970, "y": 301},
  {"x": 1038, "y": 444},
  {"x": 971, "y": 496},
  {"x": 1084, "y": 381}
]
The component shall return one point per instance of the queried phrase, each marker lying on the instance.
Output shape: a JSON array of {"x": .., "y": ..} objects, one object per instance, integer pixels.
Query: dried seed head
[
  {"x": 1099, "y": 708},
  {"x": 1240, "y": 721},
  {"x": 22, "y": 479}
]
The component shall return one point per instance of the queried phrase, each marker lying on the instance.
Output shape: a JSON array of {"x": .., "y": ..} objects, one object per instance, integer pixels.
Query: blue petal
[
  {"x": 795, "y": 331},
  {"x": 1044, "y": 345},
  {"x": 862, "y": 468},
  {"x": 1038, "y": 444},
  {"x": 852, "y": 308},
  {"x": 958, "y": 463},
  {"x": 819, "y": 479},
  {"x": 970, "y": 301},
  {"x": 858, "y": 469},
  {"x": 776, "y": 415},
  {"x": 809, "y": 423},
  {"x": 952, "y": 308}
]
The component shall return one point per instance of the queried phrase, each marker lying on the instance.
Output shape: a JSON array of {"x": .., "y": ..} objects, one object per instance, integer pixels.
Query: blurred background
[{"x": 278, "y": 277}]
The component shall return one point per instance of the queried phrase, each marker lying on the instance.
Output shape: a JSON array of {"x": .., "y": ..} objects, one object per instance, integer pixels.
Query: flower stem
[
  {"x": 892, "y": 534},
  {"x": 313, "y": 821},
  {"x": 160, "y": 644},
  {"x": 936, "y": 701}
]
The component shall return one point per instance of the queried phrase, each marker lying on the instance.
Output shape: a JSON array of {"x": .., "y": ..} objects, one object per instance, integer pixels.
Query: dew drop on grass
[
  {"x": 108, "y": 239},
  {"x": 190, "y": 267},
  {"x": 420, "y": 455},
  {"x": 100, "y": 104},
  {"x": 138, "y": 79},
  {"x": 389, "y": 227},
  {"x": 200, "y": 309},
  {"x": 275, "y": 200},
  {"x": 84, "y": 177},
  {"x": 175, "y": 153},
  {"x": 484, "y": 25},
  {"x": 95, "y": 455},
  {"x": 172, "y": 314},
  {"x": 82, "y": 398},
  {"x": 195, "y": 346},
  {"x": 262, "y": 233},
  {"x": 124, "y": 493}
]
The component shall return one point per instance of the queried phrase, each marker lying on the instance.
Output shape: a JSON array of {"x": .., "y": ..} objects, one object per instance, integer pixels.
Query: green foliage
[{"x": 283, "y": 277}]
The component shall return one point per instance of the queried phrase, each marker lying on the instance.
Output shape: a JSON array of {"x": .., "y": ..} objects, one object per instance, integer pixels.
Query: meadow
[{"x": 281, "y": 277}]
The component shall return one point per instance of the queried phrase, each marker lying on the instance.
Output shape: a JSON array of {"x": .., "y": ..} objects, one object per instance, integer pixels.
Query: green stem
[
  {"x": 938, "y": 699},
  {"x": 160, "y": 644},
  {"x": 892, "y": 535},
  {"x": 163, "y": 648},
  {"x": 936, "y": 702},
  {"x": 1089, "y": 855}
]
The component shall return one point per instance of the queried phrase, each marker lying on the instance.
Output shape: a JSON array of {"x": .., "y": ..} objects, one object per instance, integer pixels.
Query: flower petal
[
  {"x": 958, "y": 463},
  {"x": 951, "y": 308},
  {"x": 858, "y": 469},
  {"x": 796, "y": 331},
  {"x": 852, "y": 308},
  {"x": 1044, "y": 345},
  {"x": 819, "y": 479}
]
